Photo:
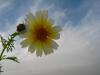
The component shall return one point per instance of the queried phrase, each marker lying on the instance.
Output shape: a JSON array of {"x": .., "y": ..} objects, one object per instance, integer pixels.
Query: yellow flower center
[{"x": 41, "y": 33}]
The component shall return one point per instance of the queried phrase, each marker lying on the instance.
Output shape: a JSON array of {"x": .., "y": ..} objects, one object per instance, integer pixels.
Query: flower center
[{"x": 41, "y": 33}]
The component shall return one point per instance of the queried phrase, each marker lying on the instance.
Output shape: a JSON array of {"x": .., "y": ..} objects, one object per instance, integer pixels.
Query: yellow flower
[{"x": 40, "y": 33}]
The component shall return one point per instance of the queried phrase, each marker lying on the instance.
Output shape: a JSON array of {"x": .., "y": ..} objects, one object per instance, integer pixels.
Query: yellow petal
[
  {"x": 57, "y": 28},
  {"x": 42, "y": 14},
  {"x": 55, "y": 32}
]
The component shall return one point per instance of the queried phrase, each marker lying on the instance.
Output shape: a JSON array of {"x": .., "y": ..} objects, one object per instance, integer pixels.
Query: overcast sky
[{"x": 79, "y": 45}]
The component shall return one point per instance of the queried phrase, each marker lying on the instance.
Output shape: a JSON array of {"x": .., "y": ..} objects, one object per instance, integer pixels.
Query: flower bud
[{"x": 21, "y": 28}]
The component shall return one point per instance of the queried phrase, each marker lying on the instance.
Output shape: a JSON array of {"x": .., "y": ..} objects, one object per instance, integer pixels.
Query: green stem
[
  {"x": 13, "y": 36},
  {"x": 2, "y": 53}
]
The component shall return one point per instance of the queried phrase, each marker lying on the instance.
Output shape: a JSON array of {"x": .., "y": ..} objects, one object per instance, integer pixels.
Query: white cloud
[{"x": 75, "y": 54}]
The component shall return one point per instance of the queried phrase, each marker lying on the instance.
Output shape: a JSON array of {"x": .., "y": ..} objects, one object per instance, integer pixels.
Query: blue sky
[
  {"x": 78, "y": 53},
  {"x": 13, "y": 9}
]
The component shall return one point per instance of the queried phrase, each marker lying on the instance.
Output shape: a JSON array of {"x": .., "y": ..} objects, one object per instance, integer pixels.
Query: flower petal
[
  {"x": 22, "y": 35},
  {"x": 30, "y": 17},
  {"x": 47, "y": 50},
  {"x": 55, "y": 32},
  {"x": 54, "y": 44},
  {"x": 31, "y": 49},
  {"x": 42, "y": 14},
  {"x": 39, "y": 52},
  {"x": 29, "y": 20},
  {"x": 57, "y": 36},
  {"x": 54, "y": 36},
  {"x": 24, "y": 43},
  {"x": 45, "y": 14},
  {"x": 57, "y": 28}
]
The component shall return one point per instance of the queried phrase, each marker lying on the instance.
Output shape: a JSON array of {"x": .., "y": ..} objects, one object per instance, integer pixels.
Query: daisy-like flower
[{"x": 40, "y": 33}]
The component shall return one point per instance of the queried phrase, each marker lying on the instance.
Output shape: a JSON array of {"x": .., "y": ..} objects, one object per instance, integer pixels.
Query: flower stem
[
  {"x": 2, "y": 53},
  {"x": 8, "y": 43}
]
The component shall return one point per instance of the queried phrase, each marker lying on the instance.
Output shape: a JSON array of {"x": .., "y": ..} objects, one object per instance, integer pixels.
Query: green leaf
[
  {"x": 3, "y": 57},
  {"x": 8, "y": 45},
  {"x": 13, "y": 58},
  {"x": 3, "y": 41}
]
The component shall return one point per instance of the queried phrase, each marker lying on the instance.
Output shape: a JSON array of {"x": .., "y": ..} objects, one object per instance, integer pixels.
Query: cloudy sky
[{"x": 78, "y": 53}]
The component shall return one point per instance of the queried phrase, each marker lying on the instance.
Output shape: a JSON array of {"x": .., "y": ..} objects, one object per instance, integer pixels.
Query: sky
[{"x": 79, "y": 44}]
